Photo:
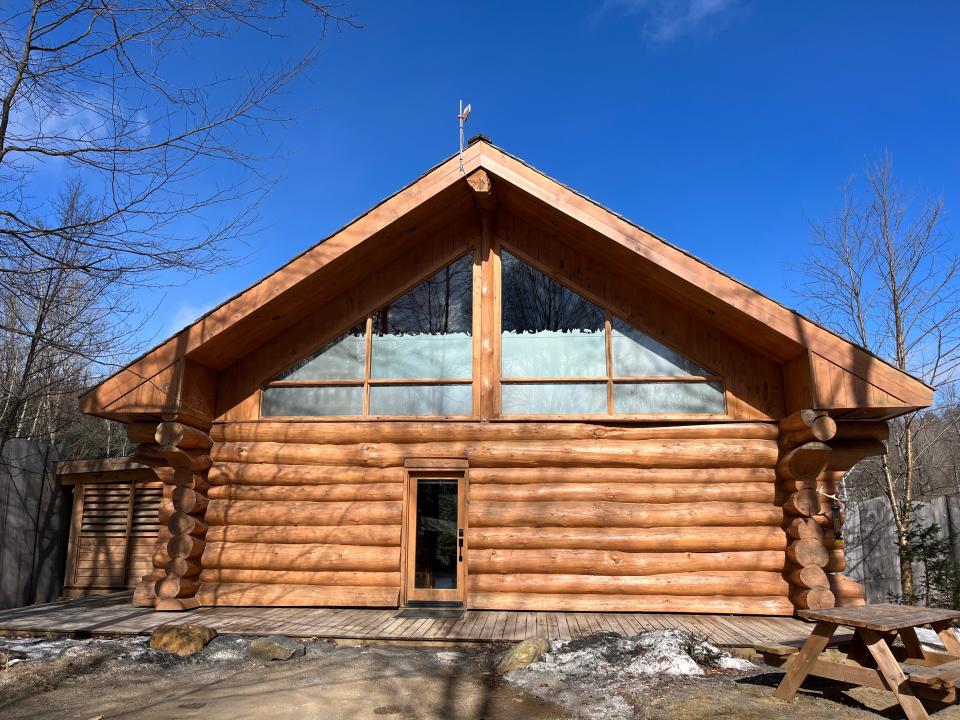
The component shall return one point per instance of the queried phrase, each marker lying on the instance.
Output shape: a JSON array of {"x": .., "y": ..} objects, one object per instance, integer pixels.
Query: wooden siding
[{"x": 612, "y": 518}]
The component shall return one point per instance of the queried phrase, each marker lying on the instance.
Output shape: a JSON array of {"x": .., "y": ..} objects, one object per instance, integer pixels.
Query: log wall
[{"x": 561, "y": 516}]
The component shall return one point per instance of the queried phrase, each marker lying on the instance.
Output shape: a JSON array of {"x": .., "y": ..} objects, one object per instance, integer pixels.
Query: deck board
[{"x": 114, "y": 615}]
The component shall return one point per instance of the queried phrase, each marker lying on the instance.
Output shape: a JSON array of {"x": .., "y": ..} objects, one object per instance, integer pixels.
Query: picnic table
[{"x": 907, "y": 669}]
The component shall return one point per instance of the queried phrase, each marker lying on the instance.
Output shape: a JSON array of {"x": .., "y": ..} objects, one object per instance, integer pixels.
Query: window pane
[
  {"x": 421, "y": 400},
  {"x": 312, "y": 401},
  {"x": 422, "y": 356},
  {"x": 341, "y": 359},
  {"x": 548, "y": 330},
  {"x": 427, "y": 332},
  {"x": 554, "y": 399},
  {"x": 637, "y": 354},
  {"x": 435, "y": 561},
  {"x": 667, "y": 397}
]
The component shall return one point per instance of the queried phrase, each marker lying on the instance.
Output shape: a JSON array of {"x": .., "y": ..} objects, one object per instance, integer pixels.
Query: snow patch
[{"x": 597, "y": 675}]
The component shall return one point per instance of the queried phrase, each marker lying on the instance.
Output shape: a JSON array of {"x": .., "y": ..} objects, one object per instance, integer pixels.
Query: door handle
[{"x": 460, "y": 544}]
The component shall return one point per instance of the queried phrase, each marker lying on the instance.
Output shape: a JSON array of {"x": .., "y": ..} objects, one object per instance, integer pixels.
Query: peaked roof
[{"x": 213, "y": 341}]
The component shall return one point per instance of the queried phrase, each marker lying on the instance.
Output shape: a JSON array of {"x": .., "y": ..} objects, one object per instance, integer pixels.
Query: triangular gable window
[
  {"x": 563, "y": 355},
  {"x": 413, "y": 357}
]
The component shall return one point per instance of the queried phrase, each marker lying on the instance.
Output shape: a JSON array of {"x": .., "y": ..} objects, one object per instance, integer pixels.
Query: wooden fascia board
[
  {"x": 699, "y": 274},
  {"x": 299, "y": 269}
]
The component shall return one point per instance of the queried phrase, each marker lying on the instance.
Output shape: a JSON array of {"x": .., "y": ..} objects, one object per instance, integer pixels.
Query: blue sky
[{"x": 724, "y": 126}]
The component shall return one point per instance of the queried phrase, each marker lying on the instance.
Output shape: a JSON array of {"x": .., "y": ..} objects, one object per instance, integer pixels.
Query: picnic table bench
[{"x": 908, "y": 670}]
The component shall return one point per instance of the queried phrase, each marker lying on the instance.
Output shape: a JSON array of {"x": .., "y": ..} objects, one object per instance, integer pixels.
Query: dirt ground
[{"x": 101, "y": 680}]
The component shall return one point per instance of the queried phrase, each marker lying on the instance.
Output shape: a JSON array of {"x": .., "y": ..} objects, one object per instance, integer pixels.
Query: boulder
[
  {"x": 275, "y": 647},
  {"x": 181, "y": 639},
  {"x": 524, "y": 653}
]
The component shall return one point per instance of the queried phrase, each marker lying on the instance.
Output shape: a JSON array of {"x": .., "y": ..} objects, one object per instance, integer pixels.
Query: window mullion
[
  {"x": 608, "y": 342},
  {"x": 367, "y": 361}
]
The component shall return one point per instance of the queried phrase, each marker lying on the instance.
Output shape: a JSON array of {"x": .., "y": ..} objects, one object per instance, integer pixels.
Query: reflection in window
[
  {"x": 427, "y": 332},
  {"x": 553, "y": 340},
  {"x": 663, "y": 398},
  {"x": 341, "y": 359},
  {"x": 424, "y": 335},
  {"x": 547, "y": 330}
]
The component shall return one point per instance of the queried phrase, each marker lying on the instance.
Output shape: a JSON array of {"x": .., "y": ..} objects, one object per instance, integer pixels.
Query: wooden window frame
[
  {"x": 366, "y": 382},
  {"x": 609, "y": 379},
  {"x": 486, "y": 380}
]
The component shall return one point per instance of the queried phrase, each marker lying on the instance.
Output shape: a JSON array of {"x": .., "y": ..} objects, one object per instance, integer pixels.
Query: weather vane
[{"x": 462, "y": 119}]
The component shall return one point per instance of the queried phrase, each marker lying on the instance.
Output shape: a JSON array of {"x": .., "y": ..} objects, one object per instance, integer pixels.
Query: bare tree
[
  {"x": 106, "y": 138},
  {"x": 881, "y": 274}
]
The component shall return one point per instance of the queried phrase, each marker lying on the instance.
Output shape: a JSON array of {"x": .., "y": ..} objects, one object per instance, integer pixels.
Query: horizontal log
[
  {"x": 313, "y": 493},
  {"x": 821, "y": 428},
  {"x": 808, "y": 552},
  {"x": 814, "y": 599},
  {"x": 850, "y": 602},
  {"x": 192, "y": 460},
  {"x": 631, "y": 603},
  {"x": 280, "y": 556},
  {"x": 638, "y": 453},
  {"x": 809, "y": 577},
  {"x": 574, "y": 474},
  {"x": 173, "y": 586},
  {"x": 332, "y": 578},
  {"x": 805, "y": 462},
  {"x": 223, "y": 473},
  {"x": 385, "y": 535},
  {"x": 336, "y": 433},
  {"x": 804, "y": 527},
  {"x": 181, "y": 436},
  {"x": 838, "y": 560},
  {"x": 863, "y": 430},
  {"x": 614, "y": 562},
  {"x": 189, "y": 500},
  {"x": 805, "y": 503},
  {"x": 139, "y": 433},
  {"x": 165, "y": 511},
  {"x": 741, "y": 583},
  {"x": 184, "y": 477},
  {"x": 655, "y": 539},
  {"x": 274, "y": 595},
  {"x": 183, "y": 567},
  {"x": 182, "y": 524},
  {"x": 636, "y": 515},
  {"x": 845, "y": 587},
  {"x": 624, "y": 492},
  {"x": 145, "y": 594},
  {"x": 185, "y": 546},
  {"x": 253, "y": 512},
  {"x": 824, "y": 483},
  {"x": 848, "y": 453},
  {"x": 801, "y": 420}
]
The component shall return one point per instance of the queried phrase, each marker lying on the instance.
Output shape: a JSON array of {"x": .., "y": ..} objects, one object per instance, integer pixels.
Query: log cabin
[{"x": 490, "y": 391}]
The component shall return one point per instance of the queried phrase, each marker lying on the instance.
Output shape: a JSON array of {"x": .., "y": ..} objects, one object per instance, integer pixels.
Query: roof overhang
[{"x": 163, "y": 381}]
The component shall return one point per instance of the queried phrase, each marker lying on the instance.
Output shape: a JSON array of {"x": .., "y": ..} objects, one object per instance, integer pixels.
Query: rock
[
  {"x": 524, "y": 653},
  {"x": 275, "y": 647},
  {"x": 181, "y": 639}
]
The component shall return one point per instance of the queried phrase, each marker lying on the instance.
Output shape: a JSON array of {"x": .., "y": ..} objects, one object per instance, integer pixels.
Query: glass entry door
[{"x": 435, "y": 535}]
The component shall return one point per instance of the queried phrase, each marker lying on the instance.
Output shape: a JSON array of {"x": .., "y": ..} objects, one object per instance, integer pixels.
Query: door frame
[{"x": 432, "y": 469}]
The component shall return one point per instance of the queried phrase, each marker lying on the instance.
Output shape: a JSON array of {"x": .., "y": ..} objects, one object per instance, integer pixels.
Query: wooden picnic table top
[{"x": 882, "y": 617}]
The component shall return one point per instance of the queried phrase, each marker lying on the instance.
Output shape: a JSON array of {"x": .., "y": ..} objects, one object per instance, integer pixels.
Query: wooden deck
[{"x": 114, "y": 615}]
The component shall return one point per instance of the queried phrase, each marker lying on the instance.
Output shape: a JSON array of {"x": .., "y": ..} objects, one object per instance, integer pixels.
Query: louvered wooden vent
[{"x": 113, "y": 536}]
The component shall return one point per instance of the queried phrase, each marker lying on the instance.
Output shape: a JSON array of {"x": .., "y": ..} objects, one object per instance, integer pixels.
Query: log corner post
[
  {"x": 182, "y": 452},
  {"x": 815, "y": 451},
  {"x": 804, "y": 456}
]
